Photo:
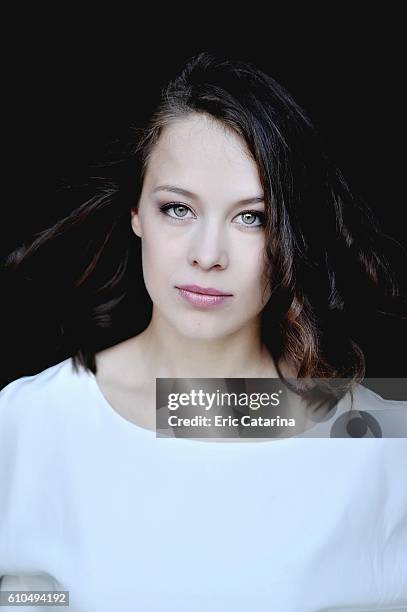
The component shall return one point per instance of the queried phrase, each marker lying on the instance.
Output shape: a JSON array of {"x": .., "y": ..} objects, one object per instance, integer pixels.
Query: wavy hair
[{"x": 325, "y": 257}]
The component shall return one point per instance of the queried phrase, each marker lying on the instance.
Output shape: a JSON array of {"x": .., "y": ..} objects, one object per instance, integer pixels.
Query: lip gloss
[{"x": 202, "y": 300}]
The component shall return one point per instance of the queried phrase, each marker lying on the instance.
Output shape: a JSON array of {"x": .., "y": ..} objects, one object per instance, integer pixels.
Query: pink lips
[
  {"x": 203, "y": 297},
  {"x": 203, "y": 290}
]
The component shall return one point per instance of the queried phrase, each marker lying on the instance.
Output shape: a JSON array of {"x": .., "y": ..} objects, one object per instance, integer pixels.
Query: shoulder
[
  {"x": 33, "y": 383},
  {"x": 363, "y": 413},
  {"x": 367, "y": 397},
  {"x": 25, "y": 398},
  {"x": 32, "y": 426},
  {"x": 383, "y": 417}
]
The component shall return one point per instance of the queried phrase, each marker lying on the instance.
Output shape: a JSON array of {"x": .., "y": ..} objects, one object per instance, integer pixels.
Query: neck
[{"x": 167, "y": 354}]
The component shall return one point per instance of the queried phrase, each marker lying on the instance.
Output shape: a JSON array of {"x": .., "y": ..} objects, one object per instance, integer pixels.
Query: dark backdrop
[{"x": 71, "y": 95}]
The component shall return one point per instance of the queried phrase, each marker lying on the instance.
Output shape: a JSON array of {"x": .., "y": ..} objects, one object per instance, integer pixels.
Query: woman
[{"x": 232, "y": 193}]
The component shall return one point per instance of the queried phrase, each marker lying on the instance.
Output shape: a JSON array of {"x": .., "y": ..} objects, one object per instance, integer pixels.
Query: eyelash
[{"x": 173, "y": 205}]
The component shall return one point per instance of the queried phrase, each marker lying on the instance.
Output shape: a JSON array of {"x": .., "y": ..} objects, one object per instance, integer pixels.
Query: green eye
[
  {"x": 180, "y": 211},
  {"x": 180, "y": 207},
  {"x": 250, "y": 215},
  {"x": 174, "y": 207}
]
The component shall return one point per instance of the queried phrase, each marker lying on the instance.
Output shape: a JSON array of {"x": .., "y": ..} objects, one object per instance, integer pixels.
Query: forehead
[{"x": 200, "y": 150}]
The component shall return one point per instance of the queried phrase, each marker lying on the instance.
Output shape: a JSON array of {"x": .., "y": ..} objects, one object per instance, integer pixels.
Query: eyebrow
[{"x": 194, "y": 196}]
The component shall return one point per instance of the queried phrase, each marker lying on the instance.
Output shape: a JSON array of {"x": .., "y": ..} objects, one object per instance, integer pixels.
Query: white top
[{"x": 126, "y": 521}]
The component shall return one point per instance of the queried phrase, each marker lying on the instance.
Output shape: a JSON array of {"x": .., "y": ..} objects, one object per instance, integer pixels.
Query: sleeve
[
  {"x": 10, "y": 421},
  {"x": 392, "y": 560},
  {"x": 7, "y": 459},
  {"x": 33, "y": 582},
  {"x": 28, "y": 582}
]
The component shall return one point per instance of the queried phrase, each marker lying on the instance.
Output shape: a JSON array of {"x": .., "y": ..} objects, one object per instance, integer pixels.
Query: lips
[
  {"x": 203, "y": 300},
  {"x": 203, "y": 290}
]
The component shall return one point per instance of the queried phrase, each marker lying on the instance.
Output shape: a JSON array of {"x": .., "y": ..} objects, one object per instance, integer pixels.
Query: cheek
[
  {"x": 160, "y": 257},
  {"x": 160, "y": 240},
  {"x": 251, "y": 278},
  {"x": 250, "y": 264}
]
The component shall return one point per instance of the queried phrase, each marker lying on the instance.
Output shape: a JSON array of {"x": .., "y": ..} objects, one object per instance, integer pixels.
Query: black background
[{"x": 73, "y": 88}]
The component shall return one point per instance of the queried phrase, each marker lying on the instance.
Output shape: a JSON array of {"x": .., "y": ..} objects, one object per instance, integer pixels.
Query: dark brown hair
[{"x": 324, "y": 253}]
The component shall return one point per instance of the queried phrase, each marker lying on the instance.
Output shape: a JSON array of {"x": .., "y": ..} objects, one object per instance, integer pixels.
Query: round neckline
[
  {"x": 109, "y": 408},
  {"x": 150, "y": 432}
]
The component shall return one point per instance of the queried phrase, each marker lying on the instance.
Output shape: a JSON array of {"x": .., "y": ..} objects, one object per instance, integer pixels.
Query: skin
[{"x": 210, "y": 246}]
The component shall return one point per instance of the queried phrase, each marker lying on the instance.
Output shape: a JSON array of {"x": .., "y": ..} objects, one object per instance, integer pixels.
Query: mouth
[
  {"x": 204, "y": 290},
  {"x": 202, "y": 300}
]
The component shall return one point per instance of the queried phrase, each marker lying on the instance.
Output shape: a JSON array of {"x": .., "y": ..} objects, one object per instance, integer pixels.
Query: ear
[{"x": 135, "y": 222}]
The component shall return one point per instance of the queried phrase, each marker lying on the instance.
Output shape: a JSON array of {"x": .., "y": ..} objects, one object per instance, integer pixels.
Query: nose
[{"x": 208, "y": 247}]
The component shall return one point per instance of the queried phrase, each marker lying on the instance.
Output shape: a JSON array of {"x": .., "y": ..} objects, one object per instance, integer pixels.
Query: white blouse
[{"x": 126, "y": 521}]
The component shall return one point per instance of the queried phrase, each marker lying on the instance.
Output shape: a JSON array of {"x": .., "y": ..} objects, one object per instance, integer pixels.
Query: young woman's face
[{"x": 200, "y": 218}]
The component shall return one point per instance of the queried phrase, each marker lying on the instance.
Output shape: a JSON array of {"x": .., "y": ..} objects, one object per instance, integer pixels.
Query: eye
[
  {"x": 180, "y": 210},
  {"x": 249, "y": 217},
  {"x": 175, "y": 206}
]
